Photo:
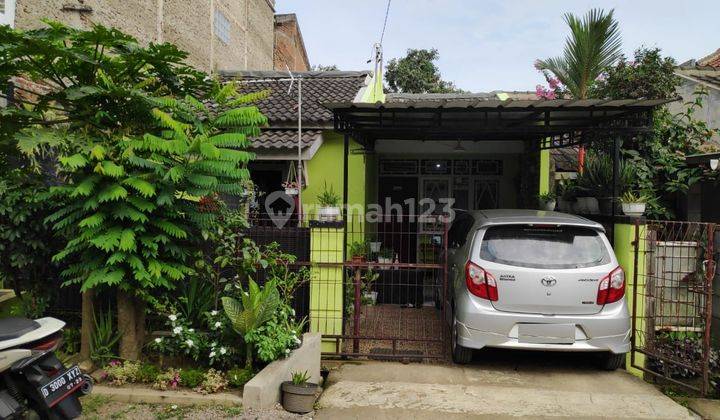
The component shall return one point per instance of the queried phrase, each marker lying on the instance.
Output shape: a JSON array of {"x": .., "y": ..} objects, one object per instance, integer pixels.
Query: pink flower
[
  {"x": 542, "y": 93},
  {"x": 554, "y": 83}
]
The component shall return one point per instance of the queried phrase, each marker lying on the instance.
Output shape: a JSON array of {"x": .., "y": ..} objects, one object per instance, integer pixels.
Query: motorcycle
[{"x": 33, "y": 381}]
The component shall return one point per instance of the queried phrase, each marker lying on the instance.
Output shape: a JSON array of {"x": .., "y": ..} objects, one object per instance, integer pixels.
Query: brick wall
[
  {"x": 186, "y": 23},
  {"x": 289, "y": 46}
]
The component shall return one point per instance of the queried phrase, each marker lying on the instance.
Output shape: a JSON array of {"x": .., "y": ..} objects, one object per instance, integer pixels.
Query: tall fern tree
[
  {"x": 136, "y": 148},
  {"x": 135, "y": 214}
]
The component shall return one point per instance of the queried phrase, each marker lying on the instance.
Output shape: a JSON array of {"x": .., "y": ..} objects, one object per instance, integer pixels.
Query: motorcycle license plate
[{"x": 62, "y": 385}]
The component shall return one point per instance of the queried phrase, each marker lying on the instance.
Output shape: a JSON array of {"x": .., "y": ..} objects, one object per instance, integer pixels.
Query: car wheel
[
  {"x": 612, "y": 361},
  {"x": 461, "y": 355}
]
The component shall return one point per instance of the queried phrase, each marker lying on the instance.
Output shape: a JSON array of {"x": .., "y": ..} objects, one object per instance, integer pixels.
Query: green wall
[
  {"x": 624, "y": 234},
  {"x": 327, "y": 166}
]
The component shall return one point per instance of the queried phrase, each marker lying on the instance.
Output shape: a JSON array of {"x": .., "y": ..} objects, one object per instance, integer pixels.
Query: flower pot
[
  {"x": 633, "y": 209},
  {"x": 564, "y": 205},
  {"x": 357, "y": 259},
  {"x": 329, "y": 214},
  {"x": 299, "y": 398},
  {"x": 548, "y": 205},
  {"x": 371, "y": 296},
  {"x": 375, "y": 246}
]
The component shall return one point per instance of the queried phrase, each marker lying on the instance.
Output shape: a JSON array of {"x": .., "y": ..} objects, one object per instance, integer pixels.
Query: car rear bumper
[{"x": 480, "y": 325}]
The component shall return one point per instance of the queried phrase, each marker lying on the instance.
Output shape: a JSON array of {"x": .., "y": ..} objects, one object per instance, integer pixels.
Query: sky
[{"x": 488, "y": 45}]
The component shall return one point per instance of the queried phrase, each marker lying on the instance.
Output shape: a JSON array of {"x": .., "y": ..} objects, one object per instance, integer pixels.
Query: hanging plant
[{"x": 291, "y": 184}]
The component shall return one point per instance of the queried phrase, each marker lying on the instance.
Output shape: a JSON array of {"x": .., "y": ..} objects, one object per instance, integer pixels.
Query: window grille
[{"x": 222, "y": 27}]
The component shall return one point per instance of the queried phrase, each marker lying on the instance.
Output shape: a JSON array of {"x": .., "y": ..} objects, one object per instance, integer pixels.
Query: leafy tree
[
  {"x": 417, "y": 73},
  {"x": 593, "y": 46},
  {"x": 136, "y": 150},
  {"x": 649, "y": 75}
]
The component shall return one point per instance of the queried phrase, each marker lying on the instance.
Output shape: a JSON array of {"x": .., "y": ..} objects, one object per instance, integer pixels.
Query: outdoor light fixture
[{"x": 714, "y": 164}]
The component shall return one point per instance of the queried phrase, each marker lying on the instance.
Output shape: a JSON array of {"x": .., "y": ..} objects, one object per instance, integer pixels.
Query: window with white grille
[{"x": 222, "y": 27}]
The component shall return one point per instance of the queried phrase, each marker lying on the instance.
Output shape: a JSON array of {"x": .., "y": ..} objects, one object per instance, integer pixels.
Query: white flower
[
  {"x": 292, "y": 311},
  {"x": 218, "y": 324},
  {"x": 191, "y": 329},
  {"x": 177, "y": 330},
  {"x": 223, "y": 350},
  {"x": 212, "y": 354},
  {"x": 174, "y": 407},
  {"x": 158, "y": 340},
  {"x": 213, "y": 313},
  {"x": 189, "y": 342},
  {"x": 287, "y": 351},
  {"x": 172, "y": 318},
  {"x": 213, "y": 344},
  {"x": 297, "y": 340}
]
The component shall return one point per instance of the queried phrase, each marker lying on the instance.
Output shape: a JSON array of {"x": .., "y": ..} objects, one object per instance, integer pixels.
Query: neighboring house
[
  {"x": 219, "y": 35},
  {"x": 290, "y": 50},
  {"x": 701, "y": 74}
]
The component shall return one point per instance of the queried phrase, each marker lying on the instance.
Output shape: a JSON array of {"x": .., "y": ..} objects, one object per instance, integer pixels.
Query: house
[
  {"x": 321, "y": 148},
  {"x": 701, "y": 74},
  {"x": 218, "y": 35}
]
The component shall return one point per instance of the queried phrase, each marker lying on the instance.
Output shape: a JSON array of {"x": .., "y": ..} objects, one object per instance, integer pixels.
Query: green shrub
[
  {"x": 214, "y": 381},
  {"x": 121, "y": 373},
  {"x": 148, "y": 373},
  {"x": 237, "y": 377},
  {"x": 191, "y": 378}
]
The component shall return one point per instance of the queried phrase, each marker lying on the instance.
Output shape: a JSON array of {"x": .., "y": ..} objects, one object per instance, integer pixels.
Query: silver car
[{"x": 535, "y": 280}]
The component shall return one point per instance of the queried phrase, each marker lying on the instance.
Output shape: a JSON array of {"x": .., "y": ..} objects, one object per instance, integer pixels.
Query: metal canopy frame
[
  {"x": 546, "y": 123},
  {"x": 542, "y": 124}
]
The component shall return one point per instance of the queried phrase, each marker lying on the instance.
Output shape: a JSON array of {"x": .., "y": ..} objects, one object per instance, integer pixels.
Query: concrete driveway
[{"x": 499, "y": 384}]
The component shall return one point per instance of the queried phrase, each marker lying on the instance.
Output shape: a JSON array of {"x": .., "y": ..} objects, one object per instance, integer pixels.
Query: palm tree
[{"x": 593, "y": 46}]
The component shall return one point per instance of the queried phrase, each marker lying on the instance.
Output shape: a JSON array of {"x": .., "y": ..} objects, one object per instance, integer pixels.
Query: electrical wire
[{"x": 387, "y": 13}]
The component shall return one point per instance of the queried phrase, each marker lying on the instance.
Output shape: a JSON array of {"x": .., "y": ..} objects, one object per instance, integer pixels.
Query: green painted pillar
[
  {"x": 624, "y": 238},
  {"x": 544, "y": 171},
  {"x": 326, "y": 283}
]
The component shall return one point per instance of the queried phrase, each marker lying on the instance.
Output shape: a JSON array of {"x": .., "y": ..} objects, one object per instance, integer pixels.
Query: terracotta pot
[
  {"x": 358, "y": 259},
  {"x": 299, "y": 398}
]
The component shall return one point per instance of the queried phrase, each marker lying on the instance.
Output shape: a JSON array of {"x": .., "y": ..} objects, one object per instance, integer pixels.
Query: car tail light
[
  {"x": 480, "y": 283},
  {"x": 611, "y": 287}
]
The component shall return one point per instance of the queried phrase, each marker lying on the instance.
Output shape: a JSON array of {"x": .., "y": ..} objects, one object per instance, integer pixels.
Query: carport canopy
[
  {"x": 542, "y": 123},
  {"x": 547, "y": 123}
]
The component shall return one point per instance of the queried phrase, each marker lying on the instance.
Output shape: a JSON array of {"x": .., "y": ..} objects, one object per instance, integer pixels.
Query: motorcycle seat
[{"x": 14, "y": 327}]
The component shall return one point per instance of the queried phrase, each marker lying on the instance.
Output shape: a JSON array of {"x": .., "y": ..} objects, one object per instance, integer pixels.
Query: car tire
[
  {"x": 612, "y": 361},
  {"x": 460, "y": 355}
]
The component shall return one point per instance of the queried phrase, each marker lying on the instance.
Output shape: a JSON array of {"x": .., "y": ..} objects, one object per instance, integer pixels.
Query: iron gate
[
  {"x": 674, "y": 266},
  {"x": 393, "y": 298}
]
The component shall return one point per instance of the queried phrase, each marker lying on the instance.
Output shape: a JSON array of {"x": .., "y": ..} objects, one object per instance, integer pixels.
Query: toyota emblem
[{"x": 548, "y": 281}]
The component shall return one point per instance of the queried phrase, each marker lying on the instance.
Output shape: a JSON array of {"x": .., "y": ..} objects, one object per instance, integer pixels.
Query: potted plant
[
  {"x": 329, "y": 202},
  {"x": 291, "y": 188},
  {"x": 298, "y": 395},
  {"x": 369, "y": 296},
  {"x": 547, "y": 201},
  {"x": 633, "y": 204},
  {"x": 597, "y": 180},
  {"x": 565, "y": 191},
  {"x": 358, "y": 252},
  {"x": 385, "y": 256}
]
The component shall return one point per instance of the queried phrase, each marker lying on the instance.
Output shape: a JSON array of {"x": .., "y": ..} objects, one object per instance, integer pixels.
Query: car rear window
[{"x": 544, "y": 247}]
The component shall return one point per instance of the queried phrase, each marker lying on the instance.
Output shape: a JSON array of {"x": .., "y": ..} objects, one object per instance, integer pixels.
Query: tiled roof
[
  {"x": 284, "y": 139},
  {"x": 566, "y": 159},
  {"x": 317, "y": 87},
  {"x": 707, "y": 75},
  {"x": 712, "y": 60}
]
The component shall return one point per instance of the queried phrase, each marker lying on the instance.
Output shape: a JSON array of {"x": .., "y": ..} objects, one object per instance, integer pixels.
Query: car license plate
[
  {"x": 546, "y": 333},
  {"x": 61, "y": 385}
]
